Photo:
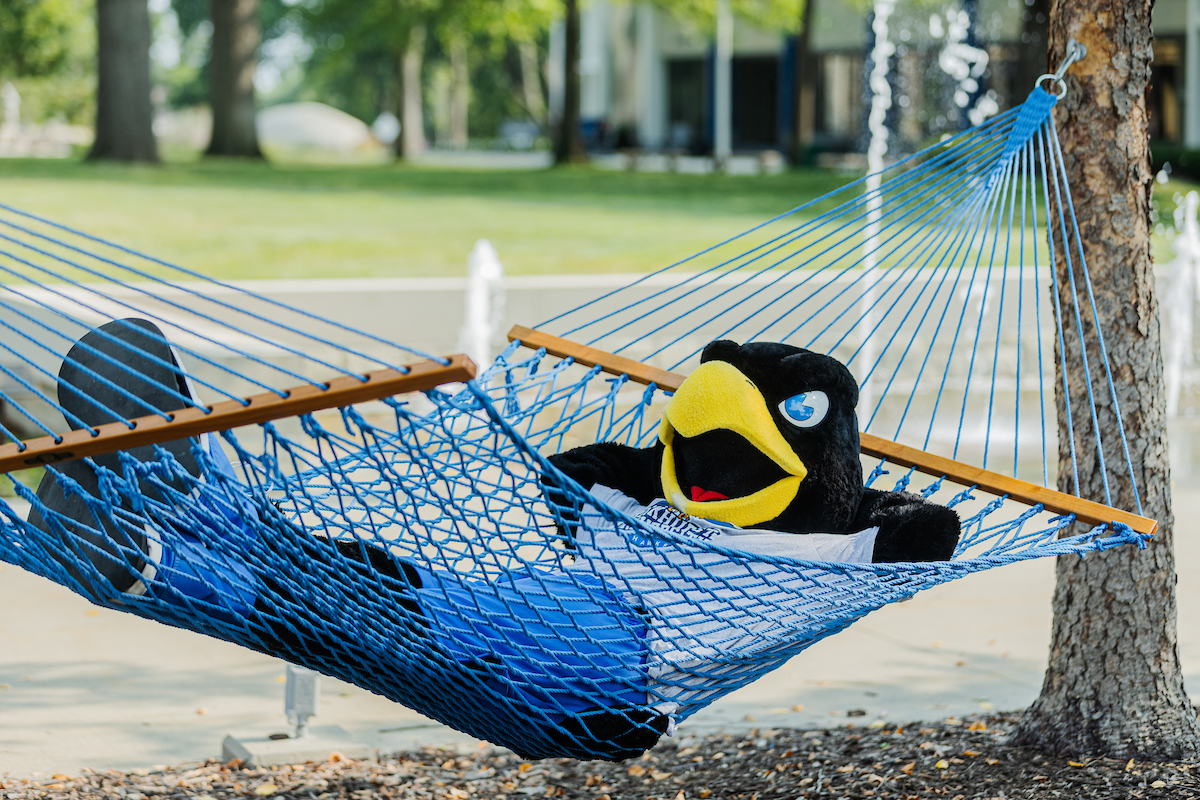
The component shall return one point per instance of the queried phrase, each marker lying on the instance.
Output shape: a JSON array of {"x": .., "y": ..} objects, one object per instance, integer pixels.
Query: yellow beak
[{"x": 717, "y": 396}]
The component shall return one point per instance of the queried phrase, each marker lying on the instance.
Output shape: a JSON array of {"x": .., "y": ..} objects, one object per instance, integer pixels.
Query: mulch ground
[{"x": 955, "y": 760}]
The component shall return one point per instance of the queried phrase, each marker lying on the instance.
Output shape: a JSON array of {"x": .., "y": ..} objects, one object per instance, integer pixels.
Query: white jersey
[{"x": 703, "y": 605}]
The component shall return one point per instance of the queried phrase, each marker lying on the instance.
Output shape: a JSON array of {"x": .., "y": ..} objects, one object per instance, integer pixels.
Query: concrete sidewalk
[{"x": 87, "y": 687}]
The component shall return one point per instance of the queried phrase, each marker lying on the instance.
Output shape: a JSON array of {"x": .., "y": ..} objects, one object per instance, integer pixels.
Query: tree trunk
[
  {"x": 1113, "y": 685},
  {"x": 531, "y": 82},
  {"x": 568, "y": 149},
  {"x": 124, "y": 118},
  {"x": 804, "y": 103},
  {"x": 412, "y": 121},
  {"x": 236, "y": 36},
  {"x": 460, "y": 89}
]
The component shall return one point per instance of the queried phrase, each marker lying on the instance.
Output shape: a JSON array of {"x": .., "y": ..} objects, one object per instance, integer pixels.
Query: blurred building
[{"x": 647, "y": 78}]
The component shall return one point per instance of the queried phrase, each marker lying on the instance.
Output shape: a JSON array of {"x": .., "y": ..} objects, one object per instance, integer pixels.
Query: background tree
[
  {"x": 507, "y": 39},
  {"x": 568, "y": 144},
  {"x": 48, "y": 51},
  {"x": 527, "y": 24},
  {"x": 236, "y": 36},
  {"x": 362, "y": 61},
  {"x": 804, "y": 79},
  {"x": 124, "y": 118},
  {"x": 1114, "y": 684},
  {"x": 456, "y": 43}
]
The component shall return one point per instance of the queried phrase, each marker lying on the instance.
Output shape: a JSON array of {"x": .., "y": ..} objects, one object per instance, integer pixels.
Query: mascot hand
[{"x": 910, "y": 527}]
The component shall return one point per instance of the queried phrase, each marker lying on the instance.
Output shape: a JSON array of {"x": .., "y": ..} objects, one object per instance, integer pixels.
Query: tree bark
[
  {"x": 412, "y": 122},
  {"x": 237, "y": 33},
  {"x": 568, "y": 149},
  {"x": 460, "y": 90},
  {"x": 124, "y": 118},
  {"x": 804, "y": 104},
  {"x": 1113, "y": 686}
]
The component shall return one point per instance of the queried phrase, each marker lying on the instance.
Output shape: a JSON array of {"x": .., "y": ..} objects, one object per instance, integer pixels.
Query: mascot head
[{"x": 764, "y": 435}]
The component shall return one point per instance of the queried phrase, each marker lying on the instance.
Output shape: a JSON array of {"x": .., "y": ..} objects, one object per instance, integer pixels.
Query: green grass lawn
[
  {"x": 243, "y": 220},
  {"x": 232, "y": 219}
]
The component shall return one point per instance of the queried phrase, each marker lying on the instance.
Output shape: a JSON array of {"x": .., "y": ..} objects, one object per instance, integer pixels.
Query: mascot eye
[{"x": 805, "y": 410}]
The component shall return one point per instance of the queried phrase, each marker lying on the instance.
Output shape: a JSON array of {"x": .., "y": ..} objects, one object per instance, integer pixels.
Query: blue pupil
[{"x": 796, "y": 408}]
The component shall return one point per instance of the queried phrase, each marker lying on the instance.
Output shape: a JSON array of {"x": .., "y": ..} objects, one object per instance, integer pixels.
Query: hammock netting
[{"x": 407, "y": 544}]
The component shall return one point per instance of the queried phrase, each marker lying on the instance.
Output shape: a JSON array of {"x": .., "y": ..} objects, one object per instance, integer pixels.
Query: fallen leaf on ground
[{"x": 943, "y": 764}]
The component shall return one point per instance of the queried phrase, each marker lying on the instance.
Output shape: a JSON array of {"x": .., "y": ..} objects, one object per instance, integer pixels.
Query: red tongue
[{"x": 704, "y": 495}]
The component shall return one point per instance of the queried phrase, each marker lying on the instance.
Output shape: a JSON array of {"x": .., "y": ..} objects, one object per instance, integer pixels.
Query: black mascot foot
[{"x": 134, "y": 355}]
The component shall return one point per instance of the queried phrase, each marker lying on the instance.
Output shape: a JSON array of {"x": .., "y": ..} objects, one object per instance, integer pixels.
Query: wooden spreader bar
[
  {"x": 939, "y": 467},
  {"x": 154, "y": 429}
]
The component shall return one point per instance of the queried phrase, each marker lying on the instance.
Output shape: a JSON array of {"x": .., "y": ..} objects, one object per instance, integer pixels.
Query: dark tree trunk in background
[
  {"x": 124, "y": 118},
  {"x": 237, "y": 33},
  {"x": 1113, "y": 685},
  {"x": 568, "y": 149},
  {"x": 804, "y": 103}
]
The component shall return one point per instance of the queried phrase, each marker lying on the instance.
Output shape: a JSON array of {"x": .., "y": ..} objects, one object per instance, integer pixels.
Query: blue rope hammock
[{"x": 406, "y": 543}]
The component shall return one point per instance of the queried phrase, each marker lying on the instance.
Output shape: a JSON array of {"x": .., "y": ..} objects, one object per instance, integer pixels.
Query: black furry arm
[
  {"x": 631, "y": 471},
  {"x": 910, "y": 527}
]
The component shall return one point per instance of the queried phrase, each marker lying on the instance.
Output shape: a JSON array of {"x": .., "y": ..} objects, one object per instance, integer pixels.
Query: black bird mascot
[{"x": 764, "y": 435}]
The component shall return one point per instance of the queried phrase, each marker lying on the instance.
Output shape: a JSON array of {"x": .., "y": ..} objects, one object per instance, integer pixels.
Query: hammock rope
[{"x": 398, "y": 524}]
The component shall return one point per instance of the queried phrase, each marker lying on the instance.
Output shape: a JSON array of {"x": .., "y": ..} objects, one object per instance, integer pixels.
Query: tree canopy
[{"x": 48, "y": 50}]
